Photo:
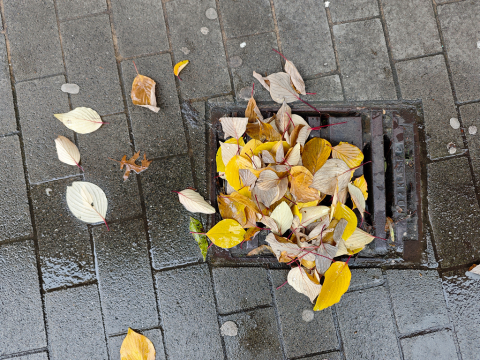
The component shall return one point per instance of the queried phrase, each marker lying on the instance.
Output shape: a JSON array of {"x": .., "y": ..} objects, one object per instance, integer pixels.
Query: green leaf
[{"x": 197, "y": 227}]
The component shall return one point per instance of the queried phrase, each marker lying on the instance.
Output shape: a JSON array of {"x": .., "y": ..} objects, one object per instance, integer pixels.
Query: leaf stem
[
  {"x": 322, "y": 126},
  {"x": 279, "y": 53}
]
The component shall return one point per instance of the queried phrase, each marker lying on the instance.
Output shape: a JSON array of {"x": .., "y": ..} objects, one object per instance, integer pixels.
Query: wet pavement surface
[{"x": 70, "y": 291}]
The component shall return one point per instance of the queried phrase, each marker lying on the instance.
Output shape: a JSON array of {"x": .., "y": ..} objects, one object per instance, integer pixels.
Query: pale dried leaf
[
  {"x": 229, "y": 151},
  {"x": 280, "y": 155},
  {"x": 358, "y": 240},
  {"x": 293, "y": 156},
  {"x": 67, "y": 151},
  {"x": 281, "y": 89},
  {"x": 267, "y": 157},
  {"x": 87, "y": 202},
  {"x": 248, "y": 178},
  {"x": 296, "y": 77},
  {"x": 313, "y": 213},
  {"x": 292, "y": 250},
  {"x": 357, "y": 198},
  {"x": 234, "y": 126},
  {"x": 270, "y": 224},
  {"x": 327, "y": 252},
  {"x": 256, "y": 162},
  {"x": 339, "y": 230},
  {"x": 342, "y": 248},
  {"x": 261, "y": 80},
  {"x": 283, "y": 217},
  {"x": 282, "y": 120},
  {"x": 194, "y": 202},
  {"x": 325, "y": 179},
  {"x": 269, "y": 187},
  {"x": 298, "y": 120},
  {"x": 298, "y": 279},
  {"x": 143, "y": 93},
  {"x": 81, "y": 120}
]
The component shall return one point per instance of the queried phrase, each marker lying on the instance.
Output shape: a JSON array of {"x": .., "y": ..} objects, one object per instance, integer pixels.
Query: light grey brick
[
  {"x": 438, "y": 346},
  {"x": 418, "y": 301},
  {"x": 365, "y": 318},
  {"x": 162, "y": 133},
  {"x": 154, "y": 335},
  {"x": 242, "y": 18},
  {"x": 305, "y": 35},
  {"x": 21, "y": 313},
  {"x": 188, "y": 314},
  {"x": 365, "y": 278},
  {"x": 427, "y": 79},
  {"x": 37, "y": 101},
  {"x": 364, "y": 63},
  {"x": 139, "y": 26},
  {"x": 328, "y": 356},
  {"x": 411, "y": 27},
  {"x": 74, "y": 324},
  {"x": 207, "y": 73},
  {"x": 14, "y": 210},
  {"x": 74, "y": 8},
  {"x": 124, "y": 277},
  {"x": 257, "y": 336},
  {"x": 7, "y": 122},
  {"x": 241, "y": 288},
  {"x": 37, "y": 356},
  {"x": 300, "y": 337},
  {"x": 344, "y": 10},
  {"x": 454, "y": 217},
  {"x": 90, "y": 61},
  {"x": 33, "y": 35},
  {"x": 328, "y": 88},
  {"x": 459, "y": 24},
  {"x": 471, "y": 117}
]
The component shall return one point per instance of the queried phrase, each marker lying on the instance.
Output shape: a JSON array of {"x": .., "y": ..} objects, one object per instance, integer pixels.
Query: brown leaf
[
  {"x": 300, "y": 181},
  {"x": 282, "y": 120},
  {"x": 252, "y": 112},
  {"x": 130, "y": 165},
  {"x": 315, "y": 154},
  {"x": 230, "y": 209},
  {"x": 143, "y": 93},
  {"x": 261, "y": 250},
  {"x": 268, "y": 133}
]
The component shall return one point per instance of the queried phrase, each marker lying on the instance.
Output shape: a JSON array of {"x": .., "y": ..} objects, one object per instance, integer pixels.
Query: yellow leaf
[
  {"x": 232, "y": 171},
  {"x": 226, "y": 234},
  {"x": 300, "y": 181},
  {"x": 349, "y": 153},
  {"x": 249, "y": 148},
  {"x": 251, "y": 232},
  {"x": 358, "y": 240},
  {"x": 179, "y": 67},
  {"x": 344, "y": 212},
  {"x": 337, "y": 281},
  {"x": 315, "y": 154},
  {"x": 143, "y": 93},
  {"x": 296, "y": 211},
  {"x": 269, "y": 146},
  {"x": 361, "y": 183},
  {"x": 230, "y": 209},
  {"x": 307, "y": 204},
  {"x": 218, "y": 158},
  {"x": 136, "y": 347}
]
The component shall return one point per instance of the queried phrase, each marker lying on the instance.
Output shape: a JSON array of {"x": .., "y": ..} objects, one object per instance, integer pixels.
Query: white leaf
[
  {"x": 296, "y": 77},
  {"x": 357, "y": 197},
  {"x": 298, "y": 120},
  {"x": 313, "y": 213},
  {"x": 81, "y": 120},
  {"x": 270, "y": 224},
  {"x": 256, "y": 162},
  {"x": 248, "y": 178},
  {"x": 229, "y": 151},
  {"x": 319, "y": 229},
  {"x": 293, "y": 156},
  {"x": 67, "y": 151},
  {"x": 281, "y": 89},
  {"x": 269, "y": 187},
  {"x": 303, "y": 135},
  {"x": 298, "y": 279},
  {"x": 194, "y": 202},
  {"x": 280, "y": 155},
  {"x": 87, "y": 202},
  {"x": 261, "y": 80},
  {"x": 267, "y": 157},
  {"x": 292, "y": 249},
  {"x": 327, "y": 252},
  {"x": 325, "y": 179},
  {"x": 234, "y": 126},
  {"x": 358, "y": 240},
  {"x": 283, "y": 217}
]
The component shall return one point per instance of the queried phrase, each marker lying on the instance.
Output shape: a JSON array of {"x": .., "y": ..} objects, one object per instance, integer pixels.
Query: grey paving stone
[
  {"x": 241, "y": 288},
  {"x": 74, "y": 324},
  {"x": 168, "y": 220},
  {"x": 34, "y": 41},
  {"x": 188, "y": 314},
  {"x": 438, "y": 345},
  {"x": 21, "y": 313},
  {"x": 471, "y": 117},
  {"x": 362, "y": 278},
  {"x": 111, "y": 141},
  {"x": 125, "y": 277},
  {"x": 300, "y": 337},
  {"x": 73, "y": 8},
  {"x": 328, "y": 88},
  {"x": 7, "y": 123},
  {"x": 418, "y": 300},
  {"x": 453, "y": 215},
  {"x": 37, "y": 101},
  {"x": 139, "y": 26},
  {"x": 463, "y": 301},
  {"x": 364, "y": 63},
  {"x": 459, "y": 24},
  {"x": 246, "y": 17},
  {"x": 365, "y": 318},
  {"x": 327, "y": 356},
  {"x": 37, "y": 356},
  {"x": 207, "y": 73},
  {"x": 64, "y": 242},
  {"x": 412, "y": 28},
  {"x": 15, "y": 219},
  {"x": 257, "y": 336},
  {"x": 305, "y": 35},
  {"x": 344, "y": 10},
  {"x": 162, "y": 133},
  {"x": 154, "y": 335},
  {"x": 257, "y": 55},
  {"x": 90, "y": 61},
  {"x": 427, "y": 79},
  {"x": 194, "y": 115}
]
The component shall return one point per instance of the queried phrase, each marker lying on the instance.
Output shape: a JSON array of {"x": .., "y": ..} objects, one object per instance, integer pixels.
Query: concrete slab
[
  {"x": 438, "y": 345},
  {"x": 242, "y": 18},
  {"x": 74, "y": 8},
  {"x": 8, "y": 121},
  {"x": 345, "y": 10},
  {"x": 470, "y": 114},
  {"x": 328, "y": 88}
]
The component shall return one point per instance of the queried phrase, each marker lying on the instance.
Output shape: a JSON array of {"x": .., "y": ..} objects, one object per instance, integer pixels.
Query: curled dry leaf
[
  {"x": 389, "y": 227},
  {"x": 358, "y": 240},
  {"x": 261, "y": 80},
  {"x": 315, "y": 154},
  {"x": 226, "y": 234},
  {"x": 282, "y": 120},
  {"x": 298, "y": 279},
  {"x": 234, "y": 126},
  {"x": 297, "y": 80},
  {"x": 136, "y": 347},
  {"x": 291, "y": 250},
  {"x": 87, "y": 202},
  {"x": 130, "y": 165},
  {"x": 337, "y": 281},
  {"x": 194, "y": 202},
  {"x": 67, "y": 151},
  {"x": 179, "y": 67},
  {"x": 81, "y": 120},
  {"x": 357, "y": 198},
  {"x": 261, "y": 250},
  {"x": 251, "y": 232},
  {"x": 143, "y": 93},
  {"x": 313, "y": 213},
  {"x": 196, "y": 228}
]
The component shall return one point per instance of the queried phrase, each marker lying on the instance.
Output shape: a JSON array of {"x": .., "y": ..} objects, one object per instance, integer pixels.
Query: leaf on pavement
[
  {"x": 67, "y": 151},
  {"x": 298, "y": 279},
  {"x": 226, "y": 234},
  {"x": 136, "y": 347},
  {"x": 234, "y": 126},
  {"x": 281, "y": 88},
  {"x": 87, "y": 202},
  {"x": 196, "y": 227},
  {"x": 179, "y": 67},
  {"x": 297, "y": 80},
  {"x": 315, "y": 154},
  {"x": 261, "y": 80},
  {"x": 81, "y": 120},
  {"x": 131, "y": 165},
  {"x": 349, "y": 153},
  {"x": 143, "y": 92},
  {"x": 337, "y": 281},
  {"x": 194, "y": 202}
]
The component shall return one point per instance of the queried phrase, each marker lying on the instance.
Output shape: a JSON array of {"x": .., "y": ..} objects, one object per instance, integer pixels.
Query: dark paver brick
[
  {"x": 196, "y": 38},
  {"x": 471, "y": 117},
  {"x": 328, "y": 88},
  {"x": 427, "y": 79},
  {"x": 154, "y": 335},
  {"x": 364, "y": 63},
  {"x": 139, "y": 26},
  {"x": 64, "y": 242},
  {"x": 459, "y": 24},
  {"x": 362, "y": 278},
  {"x": 412, "y": 28},
  {"x": 90, "y": 62},
  {"x": 257, "y": 336},
  {"x": 438, "y": 345},
  {"x": 111, "y": 141},
  {"x": 172, "y": 243},
  {"x": 365, "y": 318},
  {"x": 246, "y": 17},
  {"x": 34, "y": 41},
  {"x": 194, "y": 115},
  {"x": 7, "y": 122},
  {"x": 162, "y": 133},
  {"x": 37, "y": 356},
  {"x": 21, "y": 313},
  {"x": 463, "y": 301},
  {"x": 188, "y": 314},
  {"x": 74, "y": 324},
  {"x": 418, "y": 301},
  {"x": 73, "y": 8},
  {"x": 304, "y": 31},
  {"x": 37, "y": 101},
  {"x": 256, "y": 55},
  {"x": 241, "y": 288},
  {"x": 453, "y": 213},
  {"x": 125, "y": 277},
  {"x": 301, "y": 337},
  {"x": 14, "y": 210},
  {"x": 344, "y": 10}
]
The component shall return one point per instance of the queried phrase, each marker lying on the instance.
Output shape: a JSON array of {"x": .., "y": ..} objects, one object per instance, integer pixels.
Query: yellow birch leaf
[
  {"x": 361, "y": 183},
  {"x": 349, "y": 153},
  {"x": 226, "y": 234},
  {"x": 344, "y": 212},
  {"x": 179, "y": 67},
  {"x": 269, "y": 146},
  {"x": 143, "y": 93},
  {"x": 249, "y": 148},
  {"x": 337, "y": 281},
  {"x": 296, "y": 211},
  {"x": 315, "y": 154},
  {"x": 232, "y": 171},
  {"x": 307, "y": 204},
  {"x": 136, "y": 347},
  {"x": 218, "y": 158}
]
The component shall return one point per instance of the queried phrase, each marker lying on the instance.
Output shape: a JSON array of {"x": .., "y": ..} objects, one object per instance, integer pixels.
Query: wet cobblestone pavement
[{"x": 69, "y": 291}]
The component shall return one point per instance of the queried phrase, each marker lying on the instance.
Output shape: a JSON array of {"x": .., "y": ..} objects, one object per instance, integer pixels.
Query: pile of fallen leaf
[{"x": 297, "y": 189}]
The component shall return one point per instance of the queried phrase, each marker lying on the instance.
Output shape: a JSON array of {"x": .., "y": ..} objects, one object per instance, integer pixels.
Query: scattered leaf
[
  {"x": 297, "y": 80},
  {"x": 135, "y": 346},
  {"x": 298, "y": 279},
  {"x": 196, "y": 228},
  {"x": 81, "y": 120},
  {"x": 261, "y": 250},
  {"x": 130, "y": 165},
  {"x": 67, "y": 151},
  {"x": 281, "y": 88},
  {"x": 261, "y": 79},
  {"x": 143, "y": 92},
  {"x": 226, "y": 234},
  {"x": 337, "y": 281},
  {"x": 334, "y": 173},
  {"x": 87, "y": 202},
  {"x": 179, "y": 67},
  {"x": 194, "y": 202}
]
